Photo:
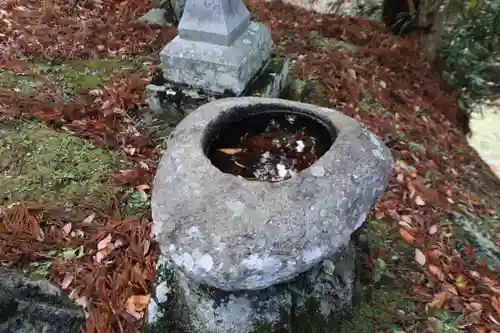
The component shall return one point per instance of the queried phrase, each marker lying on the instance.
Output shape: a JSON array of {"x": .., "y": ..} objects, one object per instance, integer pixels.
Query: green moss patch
[
  {"x": 70, "y": 76},
  {"x": 39, "y": 163}
]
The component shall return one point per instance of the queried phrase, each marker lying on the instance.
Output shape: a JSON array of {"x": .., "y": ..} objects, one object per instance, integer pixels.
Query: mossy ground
[
  {"x": 40, "y": 163},
  {"x": 71, "y": 76}
]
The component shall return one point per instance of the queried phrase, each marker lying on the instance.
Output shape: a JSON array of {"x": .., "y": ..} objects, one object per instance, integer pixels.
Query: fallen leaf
[
  {"x": 420, "y": 257},
  {"x": 146, "y": 245},
  {"x": 89, "y": 219},
  {"x": 104, "y": 242},
  {"x": 400, "y": 178},
  {"x": 83, "y": 301},
  {"x": 438, "y": 300},
  {"x": 144, "y": 195},
  {"x": 99, "y": 256},
  {"x": 230, "y": 151},
  {"x": 407, "y": 236},
  {"x": 134, "y": 314},
  {"x": 137, "y": 303},
  {"x": 495, "y": 302},
  {"x": 433, "y": 229},
  {"x": 436, "y": 325},
  {"x": 449, "y": 288},
  {"x": 118, "y": 243},
  {"x": 143, "y": 187},
  {"x": 67, "y": 228},
  {"x": 379, "y": 214},
  {"x": 475, "y": 199},
  {"x": 68, "y": 278},
  {"x": 419, "y": 201},
  {"x": 408, "y": 227},
  {"x": 437, "y": 272}
]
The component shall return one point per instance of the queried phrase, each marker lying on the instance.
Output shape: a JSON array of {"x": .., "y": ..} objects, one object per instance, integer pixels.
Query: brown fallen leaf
[
  {"x": 144, "y": 195},
  {"x": 407, "y": 236},
  {"x": 143, "y": 187},
  {"x": 438, "y": 300},
  {"x": 420, "y": 257},
  {"x": 436, "y": 325},
  {"x": 137, "y": 303},
  {"x": 419, "y": 201},
  {"x": 104, "y": 242},
  {"x": 67, "y": 228},
  {"x": 437, "y": 272},
  {"x": 68, "y": 278},
  {"x": 495, "y": 302},
  {"x": 101, "y": 254},
  {"x": 230, "y": 151},
  {"x": 408, "y": 227},
  {"x": 146, "y": 245},
  {"x": 89, "y": 219},
  {"x": 83, "y": 301}
]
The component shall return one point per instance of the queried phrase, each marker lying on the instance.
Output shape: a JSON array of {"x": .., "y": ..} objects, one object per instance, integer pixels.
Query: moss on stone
[{"x": 266, "y": 76}]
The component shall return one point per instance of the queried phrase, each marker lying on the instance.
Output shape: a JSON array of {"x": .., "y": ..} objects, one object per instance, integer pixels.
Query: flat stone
[
  {"x": 215, "y": 67},
  {"x": 34, "y": 306},
  {"x": 315, "y": 298},
  {"x": 234, "y": 234}
]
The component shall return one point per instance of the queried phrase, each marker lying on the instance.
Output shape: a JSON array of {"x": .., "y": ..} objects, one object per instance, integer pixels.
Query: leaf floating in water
[
  {"x": 240, "y": 165},
  {"x": 231, "y": 151}
]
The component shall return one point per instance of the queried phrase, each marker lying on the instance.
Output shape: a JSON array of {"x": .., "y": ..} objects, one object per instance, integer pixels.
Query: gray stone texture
[
  {"x": 217, "y": 47},
  {"x": 170, "y": 101},
  {"x": 214, "y": 21},
  {"x": 215, "y": 67},
  {"x": 178, "y": 8},
  {"x": 34, "y": 306},
  {"x": 234, "y": 234},
  {"x": 315, "y": 298}
]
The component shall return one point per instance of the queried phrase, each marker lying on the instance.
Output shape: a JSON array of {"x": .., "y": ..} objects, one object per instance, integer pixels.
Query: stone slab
[
  {"x": 314, "y": 299},
  {"x": 218, "y": 68},
  {"x": 235, "y": 234}
]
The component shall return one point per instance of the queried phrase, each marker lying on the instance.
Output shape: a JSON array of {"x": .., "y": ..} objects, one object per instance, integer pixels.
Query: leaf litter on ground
[{"x": 114, "y": 288}]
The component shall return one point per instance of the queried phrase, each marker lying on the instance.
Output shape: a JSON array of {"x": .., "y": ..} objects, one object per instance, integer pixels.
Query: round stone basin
[
  {"x": 234, "y": 233},
  {"x": 268, "y": 145}
]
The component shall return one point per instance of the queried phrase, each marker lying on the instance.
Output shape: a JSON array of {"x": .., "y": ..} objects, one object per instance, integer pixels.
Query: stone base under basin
[
  {"x": 311, "y": 302},
  {"x": 170, "y": 102}
]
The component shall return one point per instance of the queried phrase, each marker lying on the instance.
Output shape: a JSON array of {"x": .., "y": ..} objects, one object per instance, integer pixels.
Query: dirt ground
[{"x": 70, "y": 145}]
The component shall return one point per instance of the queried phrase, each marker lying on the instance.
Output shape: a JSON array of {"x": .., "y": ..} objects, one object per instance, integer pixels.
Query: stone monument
[
  {"x": 219, "y": 52},
  {"x": 240, "y": 254}
]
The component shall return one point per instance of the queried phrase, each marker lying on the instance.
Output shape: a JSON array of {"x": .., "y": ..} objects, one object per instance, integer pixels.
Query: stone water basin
[{"x": 246, "y": 254}]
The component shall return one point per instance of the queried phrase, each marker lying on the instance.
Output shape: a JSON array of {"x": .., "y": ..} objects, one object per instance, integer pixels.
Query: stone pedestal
[
  {"x": 309, "y": 303},
  {"x": 173, "y": 101},
  {"x": 217, "y": 48}
]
